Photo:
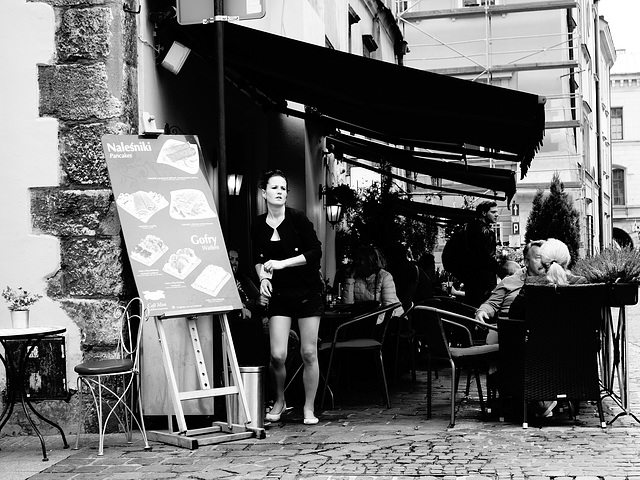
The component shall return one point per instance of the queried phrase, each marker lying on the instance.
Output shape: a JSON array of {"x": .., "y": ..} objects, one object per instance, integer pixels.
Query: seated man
[
  {"x": 503, "y": 295},
  {"x": 248, "y": 291},
  {"x": 501, "y": 298},
  {"x": 247, "y": 331}
]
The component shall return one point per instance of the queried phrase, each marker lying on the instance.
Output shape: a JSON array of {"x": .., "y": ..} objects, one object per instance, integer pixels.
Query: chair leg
[
  {"x": 455, "y": 374},
  {"x": 412, "y": 359},
  {"x": 479, "y": 385},
  {"x": 293, "y": 377},
  {"x": 396, "y": 359},
  {"x": 141, "y": 425},
  {"x": 429, "y": 388},
  {"x": 385, "y": 389},
  {"x": 100, "y": 422},
  {"x": 84, "y": 414},
  {"x": 603, "y": 424},
  {"x": 469, "y": 374},
  {"x": 326, "y": 380}
]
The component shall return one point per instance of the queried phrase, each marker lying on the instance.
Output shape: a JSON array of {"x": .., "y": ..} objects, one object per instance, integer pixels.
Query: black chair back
[{"x": 562, "y": 340}]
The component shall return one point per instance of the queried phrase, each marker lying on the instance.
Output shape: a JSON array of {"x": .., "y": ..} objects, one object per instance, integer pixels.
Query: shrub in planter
[{"x": 618, "y": 267}]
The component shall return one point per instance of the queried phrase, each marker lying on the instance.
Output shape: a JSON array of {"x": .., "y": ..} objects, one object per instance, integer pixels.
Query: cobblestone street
[{"x": 365, "y": 440}]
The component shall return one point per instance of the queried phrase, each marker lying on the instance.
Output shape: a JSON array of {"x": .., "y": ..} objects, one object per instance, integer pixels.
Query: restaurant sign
[{"x": 171, "y": 227}]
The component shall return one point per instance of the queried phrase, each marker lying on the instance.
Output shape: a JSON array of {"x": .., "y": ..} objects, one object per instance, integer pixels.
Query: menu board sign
[{"x": 170, "y": 223}]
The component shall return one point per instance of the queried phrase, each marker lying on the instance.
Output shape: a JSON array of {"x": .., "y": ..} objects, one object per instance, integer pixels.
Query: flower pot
[
  {"x": 20, "y": 318},
  {"x": 621, "y": 294}
]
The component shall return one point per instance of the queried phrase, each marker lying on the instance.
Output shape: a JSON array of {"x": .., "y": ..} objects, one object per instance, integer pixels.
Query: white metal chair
[{"x": 111, "y": 382}]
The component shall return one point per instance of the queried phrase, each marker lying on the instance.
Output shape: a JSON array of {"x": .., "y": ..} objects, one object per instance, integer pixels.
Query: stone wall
[{"x": 91, "y": 89}]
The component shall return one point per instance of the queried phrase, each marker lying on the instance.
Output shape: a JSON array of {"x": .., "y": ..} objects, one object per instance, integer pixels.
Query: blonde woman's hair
[{"x": 555, "y": 257}]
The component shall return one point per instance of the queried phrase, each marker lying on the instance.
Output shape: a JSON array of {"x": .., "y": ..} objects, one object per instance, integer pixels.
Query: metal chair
[
  {"x": 326, "y": 327},
  {"x": 455, "y": 306},
  {"x": 434, "y": 323},
  {"x": 561, "y": 344},
  {"x": 357, "y": 335},
  {"x": 403, "y": 333},
  {"x": 113, "y": 383}
]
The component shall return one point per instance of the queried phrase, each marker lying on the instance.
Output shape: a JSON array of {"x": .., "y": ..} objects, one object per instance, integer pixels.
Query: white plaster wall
[
  {"x": 626, "y": 152},
  {"x": 30, "y": 159}
]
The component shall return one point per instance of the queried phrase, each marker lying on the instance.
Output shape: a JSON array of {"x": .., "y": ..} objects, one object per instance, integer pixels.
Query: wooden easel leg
[
  {"x": 233, "y": 385},
  {"x": 229, "y": 349},
  {"x": 171, "y": 378}
]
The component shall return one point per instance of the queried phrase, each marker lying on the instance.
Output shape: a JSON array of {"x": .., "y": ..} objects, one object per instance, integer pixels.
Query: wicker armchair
[{"x": 561, "y": 344}]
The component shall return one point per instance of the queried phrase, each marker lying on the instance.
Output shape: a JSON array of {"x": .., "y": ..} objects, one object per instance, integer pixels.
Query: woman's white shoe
[
  {"x": 275, "y": 417},
  {"x": 310, "y": 418}
]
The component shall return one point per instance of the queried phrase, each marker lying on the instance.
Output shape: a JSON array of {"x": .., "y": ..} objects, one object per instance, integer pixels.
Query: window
[
  {"x": 617, "y": 177},
  {"x": 369, "y": 45},
  {"x": 590, "y": 235},
  {"x": 616, "y": 123}
]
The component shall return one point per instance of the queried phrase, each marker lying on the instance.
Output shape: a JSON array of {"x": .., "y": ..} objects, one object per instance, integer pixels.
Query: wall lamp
[
  {"x": 176, "y": 57},
  {"x": 333, "y": 207},
  {"x": 234, "y": 183},
  {"x": 333, "y": 213}
]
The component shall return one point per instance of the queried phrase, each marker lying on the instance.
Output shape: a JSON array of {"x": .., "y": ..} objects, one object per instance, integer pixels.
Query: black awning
[
  {"x": 398, "y": 104},
  {"x": 436, "y": 213},
  {"x": 495, "y": 179}
]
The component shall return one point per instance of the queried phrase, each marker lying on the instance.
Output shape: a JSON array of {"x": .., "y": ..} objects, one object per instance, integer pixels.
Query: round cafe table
[{"x": 16, "y": 378}]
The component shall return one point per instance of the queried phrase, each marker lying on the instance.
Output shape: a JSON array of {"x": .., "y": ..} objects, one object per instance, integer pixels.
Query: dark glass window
[
  {"x": 617, "y": 176},
  {"x": 616, "y": 123}
]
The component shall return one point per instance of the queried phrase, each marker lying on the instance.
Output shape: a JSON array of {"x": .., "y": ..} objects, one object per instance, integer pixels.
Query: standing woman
[{"x": 287, "y": 256}]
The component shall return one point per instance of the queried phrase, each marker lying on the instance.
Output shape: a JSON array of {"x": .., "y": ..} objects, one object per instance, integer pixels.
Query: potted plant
[
  {"x": 20, "y": 301},
  {"x": 618, "y": 267}
]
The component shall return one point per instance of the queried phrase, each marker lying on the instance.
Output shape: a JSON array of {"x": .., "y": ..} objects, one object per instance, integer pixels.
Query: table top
[{"x": 31, "y": 332}]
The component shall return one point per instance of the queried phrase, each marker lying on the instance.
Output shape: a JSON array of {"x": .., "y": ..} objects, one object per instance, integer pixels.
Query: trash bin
[{"x": 253, "y": 380}]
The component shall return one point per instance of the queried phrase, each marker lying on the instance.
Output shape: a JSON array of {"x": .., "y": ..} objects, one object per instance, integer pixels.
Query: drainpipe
[
  {"x": 599, "y": 160},
  {"x": 218, "y": 25}
]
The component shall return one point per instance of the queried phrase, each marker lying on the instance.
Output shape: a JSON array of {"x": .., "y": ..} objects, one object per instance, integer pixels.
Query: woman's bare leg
[
  {"x": 279, "y": 328},
  {"x": 309, "y": 351}
]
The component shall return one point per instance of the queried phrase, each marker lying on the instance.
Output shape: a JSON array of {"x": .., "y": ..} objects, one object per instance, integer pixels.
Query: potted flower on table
[
  {"x": 617, "y": 267},
  {"x": 20, "y": 301}
]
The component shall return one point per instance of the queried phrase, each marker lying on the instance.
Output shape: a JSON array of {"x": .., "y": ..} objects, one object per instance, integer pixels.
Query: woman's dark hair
[
  {"x": 272, "y": 173},
  {"x": 370, "y": 259}
]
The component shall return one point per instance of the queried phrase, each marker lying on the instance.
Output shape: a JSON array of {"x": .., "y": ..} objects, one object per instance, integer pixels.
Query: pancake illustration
[
  {"x": 181, "y": 263},
  {"x": 149, "y": 250},
  {"x": 181, "y": 155},
  {"x": 142, "y": 205},
  {"x": 211, "y": 280},
  {"x": 189, "y": 204}
]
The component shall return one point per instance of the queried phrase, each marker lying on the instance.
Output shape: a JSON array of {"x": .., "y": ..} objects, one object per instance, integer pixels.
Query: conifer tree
[{"x": 554, "y": 216}]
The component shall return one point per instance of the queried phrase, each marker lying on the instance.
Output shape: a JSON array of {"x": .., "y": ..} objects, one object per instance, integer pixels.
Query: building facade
[
  {"x": 559, "y": 49},
  {"x": 625, "y": 137},
  {"x": 87, "y": 69}
]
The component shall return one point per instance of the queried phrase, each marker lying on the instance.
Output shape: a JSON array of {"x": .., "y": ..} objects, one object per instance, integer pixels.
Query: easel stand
[{"x": 219, "y": 432}]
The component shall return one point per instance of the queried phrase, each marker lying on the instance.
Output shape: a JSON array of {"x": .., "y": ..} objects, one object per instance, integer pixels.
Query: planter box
[{"x": 621, "y": 294}]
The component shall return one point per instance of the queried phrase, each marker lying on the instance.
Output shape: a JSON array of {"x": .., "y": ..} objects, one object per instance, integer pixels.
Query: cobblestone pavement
[{"x": 367, "y": 441}]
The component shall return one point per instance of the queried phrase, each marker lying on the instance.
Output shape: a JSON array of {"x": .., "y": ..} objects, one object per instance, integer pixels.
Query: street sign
[
  {"x": 515, "y": 209},
  {"x": 515, "y": 228},
  {"x": 193, "y": 12}
]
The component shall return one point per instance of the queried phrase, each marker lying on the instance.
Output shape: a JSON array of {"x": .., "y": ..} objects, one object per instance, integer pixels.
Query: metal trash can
[{"x": 253, "y": 380}]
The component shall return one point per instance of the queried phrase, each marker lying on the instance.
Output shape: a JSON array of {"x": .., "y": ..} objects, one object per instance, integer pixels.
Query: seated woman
[
  {"x": 370, "y": 281},
  {"x": 555, "y": 257}
]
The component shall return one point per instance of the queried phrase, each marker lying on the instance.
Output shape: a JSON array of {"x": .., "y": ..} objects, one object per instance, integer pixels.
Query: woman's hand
[
  {"x": 271, "y": 265},
  {"x": 265, "y": 287}
]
